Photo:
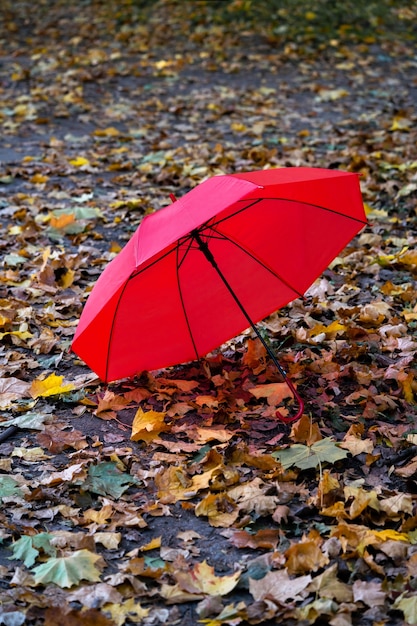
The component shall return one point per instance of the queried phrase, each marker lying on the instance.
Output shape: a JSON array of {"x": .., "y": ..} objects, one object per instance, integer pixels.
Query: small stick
[{"x": 8, "y": 432}]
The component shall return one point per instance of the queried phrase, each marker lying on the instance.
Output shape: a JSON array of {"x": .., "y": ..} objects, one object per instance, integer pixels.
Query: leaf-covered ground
[{"x": 177, "y": 497}]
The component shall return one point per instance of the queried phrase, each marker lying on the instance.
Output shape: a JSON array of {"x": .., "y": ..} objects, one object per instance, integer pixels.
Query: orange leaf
[
  {"x": 305, "y": 557},
  {"x": 62, "y": 221},
  {"x": 274, "y": 392}
]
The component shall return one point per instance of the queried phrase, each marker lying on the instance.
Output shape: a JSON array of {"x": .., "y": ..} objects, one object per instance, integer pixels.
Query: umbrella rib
[
  {"x": 187, "y": 321},
  {"x": 111, "y": 331},
  {"x": 259, "y": 261},
  {"x": 309, "y": 204}
]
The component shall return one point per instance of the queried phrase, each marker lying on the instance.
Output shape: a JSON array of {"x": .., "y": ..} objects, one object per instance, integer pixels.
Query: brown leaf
[
  {"x": 12, "y": 389},
  {"x": 266, "y": 539},
  {"x": 370, "y": 593},
  {"x": 274, "y": 392},
  {"x": 91, "y": 617},
  {"x": 55, "y": 439},
  {"x": 305, "y": 431},
  {"x": 305, "y": 556},
  {"x": 279, "y": 587}
]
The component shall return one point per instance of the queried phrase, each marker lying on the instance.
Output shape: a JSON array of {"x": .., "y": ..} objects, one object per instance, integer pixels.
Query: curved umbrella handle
[{"x": 289, "y": 420}]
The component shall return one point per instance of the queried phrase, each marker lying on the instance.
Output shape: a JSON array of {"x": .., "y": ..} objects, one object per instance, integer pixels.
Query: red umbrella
[{"x": 227, "y": 254}]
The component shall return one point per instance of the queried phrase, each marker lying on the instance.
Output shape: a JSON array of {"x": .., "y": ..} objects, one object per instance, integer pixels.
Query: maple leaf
[
  {"x": 267, "y": 538},
  {"x": 202, "y": 580},
  {"x": 279, "y": 587},
  {"x": 109, "y": 404},
  {"x": 12, "y": 389},
  {"x": 27, "y": 548},
  {"x": 305, "y": 556},
  {"x": 67, "y": 571},
  {"x": 309, "y": 457},
  {"x": 30, "y": 421},
  {"x": 51, "y": 386},
  {"x": 9, "y": 487},
  {"x": 274, "y": 392},
  {"x": 327, "y": 585},
  {"x": 106, "y": 480},
  {"x": 129, "y": 609},
  {"x": 305, "y": 431},
  {"x": 371, "y": 593},
  {"x": 147, "y": 425},
  {"x": 220, "y": 509},
  {"x": 250, "y": 497}
]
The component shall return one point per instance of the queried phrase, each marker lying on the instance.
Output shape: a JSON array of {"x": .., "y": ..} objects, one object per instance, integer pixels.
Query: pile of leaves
[{"x": 178, "y": 497}]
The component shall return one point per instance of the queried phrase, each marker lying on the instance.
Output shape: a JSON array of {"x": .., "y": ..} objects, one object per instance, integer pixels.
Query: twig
[{"x": 8, "y": 432}]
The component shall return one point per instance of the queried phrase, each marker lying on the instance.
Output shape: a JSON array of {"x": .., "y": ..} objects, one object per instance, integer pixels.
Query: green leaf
[
  {"x": 308, "y": 457},
  {"x": 27, "y": 548},
  {"x": 31, "y": 421},
  {"x": 106, "y": 480},
  {"x": 9, "y": 487},
  {"x": 67, "y": 571}
]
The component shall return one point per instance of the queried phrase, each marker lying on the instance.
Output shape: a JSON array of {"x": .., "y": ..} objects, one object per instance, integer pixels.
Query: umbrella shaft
[{"x": 209, "y": 256}]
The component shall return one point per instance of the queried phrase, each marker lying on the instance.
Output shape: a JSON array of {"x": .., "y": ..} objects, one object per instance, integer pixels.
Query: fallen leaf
[
  {"x": 67, "y": 571},
  {"x": 279, "y": 587},
  {"x": 51, "y": 386},
  {"x": 147, "y": 425},
  {"x": 308, "y": 457},
  {"x": 201, "y": 579}
]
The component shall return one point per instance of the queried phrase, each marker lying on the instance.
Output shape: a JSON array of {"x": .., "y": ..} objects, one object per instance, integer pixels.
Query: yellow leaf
[
  {"x": 39, "y": 179},
  {"x": 20, "y": 334},
  {"x": 50, "y": 386},
  {"x": 130, "y": 610},
  {"x": 101, "y": 516},
  {"x": 152, "y": 545},
  {"x": 174, "y": 484},
  {"x": 147, "y": 425},
  {"x": 330, "y": 331},
  {"x": 400, "y": 123},
  {"x": 30, "y": 454},
  {"x": 390, "y": 535},
  {"x": 219, "y": 508},
  {"x": 238, "y": 127},
  {"x": 361, "y": 500},
  {"x": 66, "y": 279},
  {"x": 79, "y": 162},
  {"x": 110, "y": 131},
  {"x": 202, "y": 579}
]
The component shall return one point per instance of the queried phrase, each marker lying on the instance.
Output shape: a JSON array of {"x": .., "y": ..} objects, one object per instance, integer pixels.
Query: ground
[{"x": 178, "y": 497}]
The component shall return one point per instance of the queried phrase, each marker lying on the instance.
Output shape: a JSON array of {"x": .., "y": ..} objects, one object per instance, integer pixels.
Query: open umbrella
[{"x": 224, "y": 256}]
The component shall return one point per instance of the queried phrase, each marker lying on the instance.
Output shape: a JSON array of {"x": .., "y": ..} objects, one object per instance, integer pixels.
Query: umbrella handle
[{"x": 289, "y": 420}]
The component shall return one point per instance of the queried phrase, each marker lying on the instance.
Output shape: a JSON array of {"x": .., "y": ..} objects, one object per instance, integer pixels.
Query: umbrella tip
[{"x": 172, "y": 197}]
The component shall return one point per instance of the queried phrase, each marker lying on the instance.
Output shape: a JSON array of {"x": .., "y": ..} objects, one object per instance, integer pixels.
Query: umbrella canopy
[{"x": 227, "y": 254}]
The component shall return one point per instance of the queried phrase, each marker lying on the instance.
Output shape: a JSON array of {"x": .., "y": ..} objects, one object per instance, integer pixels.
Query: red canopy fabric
[{"x": 271, "y": 232}]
